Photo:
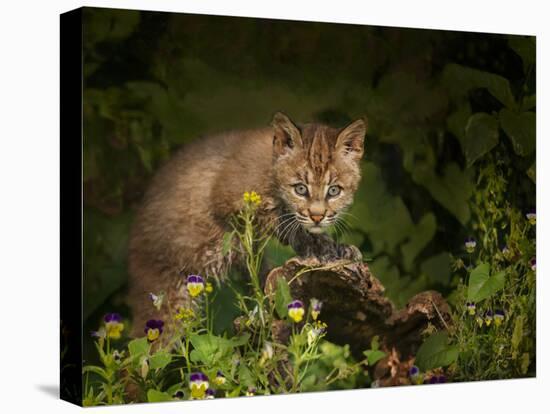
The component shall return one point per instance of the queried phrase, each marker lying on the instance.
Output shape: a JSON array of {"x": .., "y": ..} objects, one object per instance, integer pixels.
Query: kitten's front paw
[{"x": 349, "y": 252}]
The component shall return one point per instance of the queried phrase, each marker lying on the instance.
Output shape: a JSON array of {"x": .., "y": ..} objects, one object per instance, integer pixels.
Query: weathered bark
[{"x": 355, "y": 308}]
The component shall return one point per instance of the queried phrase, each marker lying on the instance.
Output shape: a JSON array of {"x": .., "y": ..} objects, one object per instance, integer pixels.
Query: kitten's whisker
[
  {"x": 278, "y": 218},
  {"x": 339, "y": 232},
  {"x": 348, "y": 214},
  {"x": 284, "y": 222},
  {"x": 285, "y": 231},
  {"x": 342, "y": 225}
]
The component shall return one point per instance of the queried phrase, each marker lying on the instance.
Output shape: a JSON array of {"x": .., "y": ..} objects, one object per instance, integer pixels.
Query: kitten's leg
[
  {"x": 322, "y": 246},
  {"x": 146, "y": 278}
]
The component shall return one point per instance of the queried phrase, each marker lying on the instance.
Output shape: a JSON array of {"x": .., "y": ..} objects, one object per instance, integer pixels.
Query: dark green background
[{"x": 437, "y": 102}]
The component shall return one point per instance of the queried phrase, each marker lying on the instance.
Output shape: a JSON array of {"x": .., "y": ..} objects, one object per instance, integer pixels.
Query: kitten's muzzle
[{"x": 316, "y": 218}]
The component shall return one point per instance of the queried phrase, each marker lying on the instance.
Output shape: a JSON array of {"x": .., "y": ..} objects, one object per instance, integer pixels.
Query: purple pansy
[
  {"x": 438, "y": 379},
  {"x": 198, "y": 377},
  {"x": 112, "y": 318},
  {"x": 153, "y": 329},
  {"x": 195, "y": 285},
  {"x": 470, "y": 244},
  {"x": 296, "y": 310},
  {"x": 532, "y": 216}
]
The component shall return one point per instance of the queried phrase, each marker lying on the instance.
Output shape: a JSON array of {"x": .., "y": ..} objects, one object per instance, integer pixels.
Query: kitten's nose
[{"x": 316, "y": 218}]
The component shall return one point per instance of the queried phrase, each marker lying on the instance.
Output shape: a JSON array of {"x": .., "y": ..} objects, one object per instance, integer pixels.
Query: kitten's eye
[
  {"x": 300, "y": 189},
  {"x": 333, "y": 190}
]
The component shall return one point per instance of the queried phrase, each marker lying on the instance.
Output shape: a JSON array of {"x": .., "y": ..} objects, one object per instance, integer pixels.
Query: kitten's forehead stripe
[{"x": 319, "y": 154}]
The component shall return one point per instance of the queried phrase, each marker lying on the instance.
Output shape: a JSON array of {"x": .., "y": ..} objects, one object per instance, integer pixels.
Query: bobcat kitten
[{"x": 306, "y": 175}]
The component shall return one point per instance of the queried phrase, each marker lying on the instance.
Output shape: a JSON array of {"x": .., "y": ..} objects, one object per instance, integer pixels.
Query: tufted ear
[
  {"x": 286, "y": 137},
  {"x": 351, "y": 138}
]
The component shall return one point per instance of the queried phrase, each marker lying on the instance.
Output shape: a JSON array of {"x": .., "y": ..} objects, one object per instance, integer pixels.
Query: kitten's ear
[
  {"x": 287, "y": 135},
  {"x": 350, "y": 139}
]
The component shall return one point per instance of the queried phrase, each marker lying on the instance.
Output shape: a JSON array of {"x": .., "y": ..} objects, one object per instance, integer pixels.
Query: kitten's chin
[{"x": 315, "y": 229}]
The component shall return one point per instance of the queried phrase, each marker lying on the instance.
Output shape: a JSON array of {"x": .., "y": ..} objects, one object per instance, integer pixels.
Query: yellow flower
[
  {"x": 195, "y": 285},
  {"x": 315, "y": 307},
  {"x": 499, "y": 317},
  {"x": 479, "y": 321},
  {"x": 219, "y": 379},
  {"x": 184, "y": 314},
  {"x": 153, "y": 329},
  {"x": 198, "y": 391},
  {"x": 317, "y": 330},
  {"x": 153, "y": 334},
  {"x": 113, "y": 325},
  {"x": 209, "y": 288},
  {"x": 198, "y": 384},
  {"x": 255, "y": 198},
  {"x": 488, "y": 317},
  {"x": 252, "y": 197},
  {"x": 296, "y": 310},
  {"x": 114, "y": 330},
  {"x": 532, "y": 217}
]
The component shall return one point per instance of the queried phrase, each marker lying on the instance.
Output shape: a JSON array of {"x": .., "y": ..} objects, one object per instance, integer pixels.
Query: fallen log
[{"x": 356, "y": 309}]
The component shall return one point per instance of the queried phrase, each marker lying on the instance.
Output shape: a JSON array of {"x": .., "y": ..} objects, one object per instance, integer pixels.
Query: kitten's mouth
[{"x": 313, "y": 226}]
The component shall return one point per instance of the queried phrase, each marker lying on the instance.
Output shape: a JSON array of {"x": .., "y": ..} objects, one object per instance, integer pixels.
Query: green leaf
[
  {"x": 399, "y": 287},
  {"x": 282, "y": 297},
  {"x": 521, "y": 129},
  {"x": 209, "y": 349},
  {"x": 481, "y": 136},
  {"x": 380, "y": 214},
  {"x": 435, "y": 352},
  {"x": 517, "y": 335},
  {"x": 160, "y": 360},
  {"x": 460, "y": 80},
  {"x": 482, "y": 285},
  {"x": 375, "y": 343},
  {"x": 421, "y": 235},
  {"x": 138, "y": 347},
  {"x": 96, "y": 370},
  {"x": 158, "y": 396},
  {"x": 437, "y": 268},
  {"x": 456, "y": 122},
  {"x": 374, "y": 354},
  {"x": 245, "y": 376},
  {"x": 452, "y": 190},
  {"x": 146, "y": 157},
  {"x": 525, "y": 47}
]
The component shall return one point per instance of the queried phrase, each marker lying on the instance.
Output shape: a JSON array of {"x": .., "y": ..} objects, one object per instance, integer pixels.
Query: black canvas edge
[{"x": 71, "y": 65}]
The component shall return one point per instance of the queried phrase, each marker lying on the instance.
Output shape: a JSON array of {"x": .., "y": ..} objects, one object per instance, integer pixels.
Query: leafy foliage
[
  {"x": 450, "y": 153},
  {"x": 482, "y": 285},
  {"x": 188, "y": 361},
  {"x": 435, "y": 352}
]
